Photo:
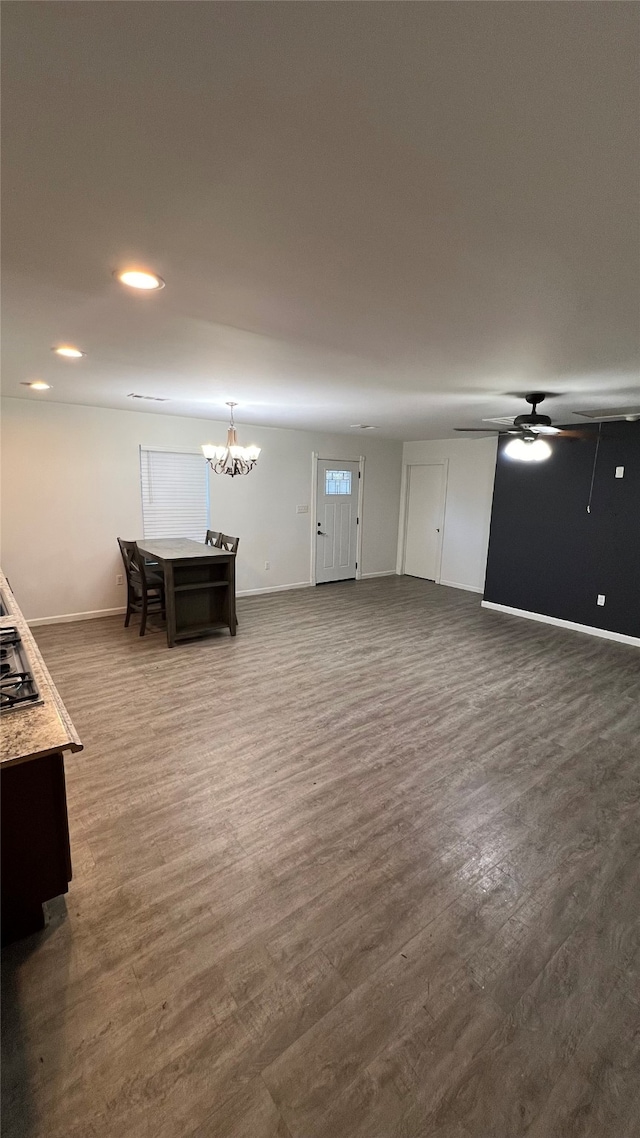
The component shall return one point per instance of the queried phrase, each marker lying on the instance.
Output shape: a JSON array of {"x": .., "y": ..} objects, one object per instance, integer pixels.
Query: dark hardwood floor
[{"x": 368, "y": 870}]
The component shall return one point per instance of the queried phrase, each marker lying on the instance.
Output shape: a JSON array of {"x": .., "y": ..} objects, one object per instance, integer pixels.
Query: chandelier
[{"x": 231, "y": 459}]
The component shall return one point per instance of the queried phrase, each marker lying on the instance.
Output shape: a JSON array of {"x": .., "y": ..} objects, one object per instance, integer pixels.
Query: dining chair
[
  {"x": 213, "y": 538},
  {"x": 230, "y": 544},
  {"x": 145, "y": 589}
]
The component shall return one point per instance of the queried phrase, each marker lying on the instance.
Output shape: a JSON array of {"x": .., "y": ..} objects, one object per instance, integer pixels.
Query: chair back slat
[
  {"x": 230, "y": 544},
  {"x": 134, "y": 564},
  {"x": 128, "y": 549},
  {"x": 222, "y": 541}
]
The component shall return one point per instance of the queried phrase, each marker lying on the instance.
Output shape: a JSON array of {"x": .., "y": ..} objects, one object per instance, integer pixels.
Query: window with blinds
[{"x": 175, "y": 493}]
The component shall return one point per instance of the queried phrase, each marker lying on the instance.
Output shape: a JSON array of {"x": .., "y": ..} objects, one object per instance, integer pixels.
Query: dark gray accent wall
[{"x": 547, "y": 554}]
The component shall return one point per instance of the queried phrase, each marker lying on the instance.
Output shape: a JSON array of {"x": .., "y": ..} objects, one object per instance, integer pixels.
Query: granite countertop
[{"x": 44, "y": 728}]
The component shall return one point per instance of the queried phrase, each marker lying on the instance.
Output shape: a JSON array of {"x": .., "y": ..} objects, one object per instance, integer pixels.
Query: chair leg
[
  {"x": 143, "y": 618},
  {"x": 127, "y": 617}
]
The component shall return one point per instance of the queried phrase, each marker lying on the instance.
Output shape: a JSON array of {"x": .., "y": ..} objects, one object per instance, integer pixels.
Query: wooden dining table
[{"x": 199, "y": 585}]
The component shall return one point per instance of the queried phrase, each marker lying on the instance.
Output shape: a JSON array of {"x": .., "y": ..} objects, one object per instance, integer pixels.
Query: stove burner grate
[
  {"x": 17, "y": 685},
  {"x": 17, "y": 688}
]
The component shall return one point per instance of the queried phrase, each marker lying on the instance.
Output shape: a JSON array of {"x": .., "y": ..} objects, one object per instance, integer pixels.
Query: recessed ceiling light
[
  {"x": 68, "y": 351},
  {"x": 37, "y": 385},
  {"x": 140, "y": 278}
]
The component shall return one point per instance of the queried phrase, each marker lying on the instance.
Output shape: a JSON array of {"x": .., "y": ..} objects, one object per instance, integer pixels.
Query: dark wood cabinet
[{"x": 36, "y": 858}]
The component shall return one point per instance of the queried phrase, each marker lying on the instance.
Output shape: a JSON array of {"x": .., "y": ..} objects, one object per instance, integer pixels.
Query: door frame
[
  {"x": 404, "y": 514},
  {"x": 316, "y": 457}
]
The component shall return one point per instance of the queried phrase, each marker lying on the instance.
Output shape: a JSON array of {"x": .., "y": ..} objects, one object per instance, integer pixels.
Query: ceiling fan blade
[
  {"x": 576, "y": 434},
  {"x": 479, "y": 430}
]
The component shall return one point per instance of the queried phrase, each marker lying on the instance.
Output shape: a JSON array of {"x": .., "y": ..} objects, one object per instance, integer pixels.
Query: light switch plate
[
  {"x": 619, "y": 471},
  {"x": 302, "y": 509},
  {"x": 600, "y": 598}
]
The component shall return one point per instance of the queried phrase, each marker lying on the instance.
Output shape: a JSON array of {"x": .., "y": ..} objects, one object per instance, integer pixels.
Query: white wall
[
  {"x": 471, "y": 465},
  {"x": 71, "y": 485}
]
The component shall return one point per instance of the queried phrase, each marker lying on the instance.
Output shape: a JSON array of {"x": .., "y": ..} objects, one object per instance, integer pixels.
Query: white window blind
[{"x": 175, "y": 493}]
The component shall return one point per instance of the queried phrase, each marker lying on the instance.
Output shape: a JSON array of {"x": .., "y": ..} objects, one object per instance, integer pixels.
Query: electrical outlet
[
  {"x": 302, "y": 509},
  {"x": 119, "y": 580},
  {"x": 619, "y": 471},
  {"x": 600, "y": 598},
  {"x": 267, "y": 564}
]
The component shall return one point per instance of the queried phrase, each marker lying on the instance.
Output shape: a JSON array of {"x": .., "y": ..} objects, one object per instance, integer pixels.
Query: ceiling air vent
[
  {"x": 504, "y": 421},
  {"x": 148, "y": 398},
  {"x": 609, "y": 416}
]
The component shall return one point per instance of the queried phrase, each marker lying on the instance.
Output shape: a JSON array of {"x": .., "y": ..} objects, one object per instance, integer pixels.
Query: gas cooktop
[{"x": 17, "y": 685}]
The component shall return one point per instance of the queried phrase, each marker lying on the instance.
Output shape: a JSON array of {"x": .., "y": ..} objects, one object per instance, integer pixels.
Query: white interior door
[
  {"x": 336, "y": 520},
  {"x": 425, "y": 493}
]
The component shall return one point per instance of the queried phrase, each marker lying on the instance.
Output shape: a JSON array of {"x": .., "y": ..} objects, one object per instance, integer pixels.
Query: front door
[
  {"x": 425, "y": 490},
  {"x": 336, "y": 520}
]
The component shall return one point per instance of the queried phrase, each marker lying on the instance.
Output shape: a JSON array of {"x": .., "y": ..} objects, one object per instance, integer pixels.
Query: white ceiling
[{"x": 399, "y": 214}]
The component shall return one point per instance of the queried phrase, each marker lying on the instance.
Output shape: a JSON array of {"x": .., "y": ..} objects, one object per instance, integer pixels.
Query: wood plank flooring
[{"x": 371, "y": 869}]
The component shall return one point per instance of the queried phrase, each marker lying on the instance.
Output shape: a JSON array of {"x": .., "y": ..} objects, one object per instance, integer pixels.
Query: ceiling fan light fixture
[{"x": 528, "y": 448}]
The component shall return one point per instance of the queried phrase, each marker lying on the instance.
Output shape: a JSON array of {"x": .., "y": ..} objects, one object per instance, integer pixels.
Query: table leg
[
  {"x": 170, "y": 603},
  {"x": 232, "y": 595}
]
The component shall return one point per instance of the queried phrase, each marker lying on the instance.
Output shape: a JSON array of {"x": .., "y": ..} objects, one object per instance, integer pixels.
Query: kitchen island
[
  {"x": 35, "y": 733},
  {"x": 199, "y": 585}
]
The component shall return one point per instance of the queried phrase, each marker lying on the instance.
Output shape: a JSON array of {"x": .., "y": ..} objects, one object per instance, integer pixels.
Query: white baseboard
[
  {"x": 273, "y": 589},
  {"x": 458, "y": 585},
  {"x": 67, "y": 618},
  {"x": 382, "y": 573},
  {"x": 621, "y": 637}
]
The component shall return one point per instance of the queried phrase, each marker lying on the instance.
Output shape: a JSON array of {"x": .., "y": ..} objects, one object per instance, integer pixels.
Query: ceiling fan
[
  {"x": 527, "y": 444},
  {"x": 533, "y": 423}
]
